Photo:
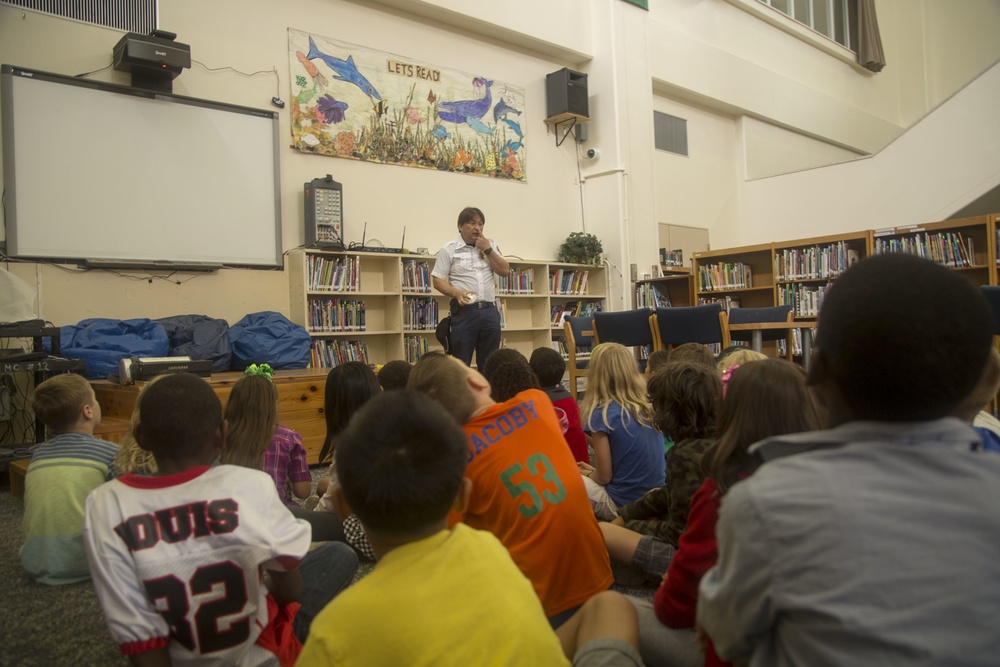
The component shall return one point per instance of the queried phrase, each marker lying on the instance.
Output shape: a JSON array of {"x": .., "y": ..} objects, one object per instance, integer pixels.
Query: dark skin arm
[
  {"x": 159, "y": 657},
  {"x": 285, "y": 587}
]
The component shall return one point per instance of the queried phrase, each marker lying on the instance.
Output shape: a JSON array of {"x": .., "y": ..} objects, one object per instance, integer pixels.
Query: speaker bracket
[{"x": 564, "y": 123}]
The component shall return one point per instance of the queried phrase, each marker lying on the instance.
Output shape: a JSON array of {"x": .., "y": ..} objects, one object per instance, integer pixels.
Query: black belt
[{"x": 478, "y": 305}]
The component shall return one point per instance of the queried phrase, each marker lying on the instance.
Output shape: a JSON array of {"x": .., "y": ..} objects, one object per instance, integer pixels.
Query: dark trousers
[{"x": 474, "y": 328}]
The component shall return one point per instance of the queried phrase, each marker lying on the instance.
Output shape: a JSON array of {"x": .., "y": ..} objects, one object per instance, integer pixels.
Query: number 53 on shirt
[{"x": 539, "y": 484}]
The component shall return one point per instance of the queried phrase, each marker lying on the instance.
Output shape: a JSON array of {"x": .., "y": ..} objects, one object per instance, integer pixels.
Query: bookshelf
[
  {"x": 965, "y": 244},
  {"x": 376, "y": 307},
  {"x": 740, "y": 277},
  {"x": 675, "y": 288}
]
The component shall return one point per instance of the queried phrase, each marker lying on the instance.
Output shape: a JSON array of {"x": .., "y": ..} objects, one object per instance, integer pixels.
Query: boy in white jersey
[{"x": 178, "y": 559}]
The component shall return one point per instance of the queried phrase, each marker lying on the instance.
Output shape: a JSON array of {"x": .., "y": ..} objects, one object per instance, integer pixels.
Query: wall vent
[
  {"x": 670, "y": 133},
  {"x": 138, "y": 16}
]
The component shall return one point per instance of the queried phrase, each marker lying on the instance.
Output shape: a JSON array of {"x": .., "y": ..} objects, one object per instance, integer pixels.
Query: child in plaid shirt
[{"x": 256, "y": 440}]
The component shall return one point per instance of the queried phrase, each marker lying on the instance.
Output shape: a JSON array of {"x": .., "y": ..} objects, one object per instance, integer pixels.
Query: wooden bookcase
[
  {"x": 402, "y": 310},
  {"x": 675, "y": 288},
  {"x": 967, "y": 245},
  {"x": 741, "y": 277}
]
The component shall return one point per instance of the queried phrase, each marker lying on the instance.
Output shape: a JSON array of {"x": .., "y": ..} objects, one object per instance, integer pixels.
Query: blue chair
[
  {"x": 627, "y": 327},
  {"x": 578, "y": 332},
  {"x": 755, "y": 315},
  {"x": 992, "y": 295},
  {"x": 691, "y": 324}
]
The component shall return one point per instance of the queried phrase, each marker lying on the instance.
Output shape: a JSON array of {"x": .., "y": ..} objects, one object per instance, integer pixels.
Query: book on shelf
[
  {"x": 724, "y": 276},
  {"x": 330, "y": 353},
  {"x": 416, "y": 276},
  {"x": 805, "y": 300},
  {"x": 520, "y": 281},
  {"x": 415, "y": 347},
  {"x": 335, "y": 315},
  {"x": 420, "y": 313},
  {"x": 671, "y": 258},
  {"x": 502, "y": 308},
  {"x": 814, "y": 262},
  {"x": 567, "y": 281},
  {"x": 333, "y": 274},
  {"x": 651, "y": 295},
  {"x": 950, "y": 249},
  {"x": 728, "y": 302}
]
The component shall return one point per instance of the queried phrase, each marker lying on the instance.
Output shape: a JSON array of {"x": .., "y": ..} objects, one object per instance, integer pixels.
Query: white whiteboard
[{"x": 105, "y": 172}]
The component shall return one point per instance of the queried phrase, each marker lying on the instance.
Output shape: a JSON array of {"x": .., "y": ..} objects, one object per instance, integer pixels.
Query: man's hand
[{"x": 482, "y": 243}]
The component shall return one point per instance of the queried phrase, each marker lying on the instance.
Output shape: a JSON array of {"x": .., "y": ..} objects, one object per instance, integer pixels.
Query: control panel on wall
[{"x": 324, "y": 206}]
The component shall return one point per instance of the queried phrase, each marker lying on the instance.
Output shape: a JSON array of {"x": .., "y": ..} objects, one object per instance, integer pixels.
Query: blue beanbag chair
[
  {"x": 102, "y": 343},
  {"x": 271, "y": 338},
  {"x": 199, "y": 337}
]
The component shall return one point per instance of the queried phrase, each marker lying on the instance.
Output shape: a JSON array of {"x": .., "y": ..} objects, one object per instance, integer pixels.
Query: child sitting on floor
[
  {"x": 178, "y": 558},
  {"x": 256, "y": 440},
  {"x": 394, "y": 374},
  {"x": 63, "y": 470},
  {"x": 549, "y": 366},
  {"x": 628, "y": 451},
  {"x": 685, "y": 398},
  {"x": 402, "y": 467}
]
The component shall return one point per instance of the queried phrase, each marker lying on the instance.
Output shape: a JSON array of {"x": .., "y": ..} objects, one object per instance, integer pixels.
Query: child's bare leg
[
  {"x": 620, "y": 541},
  {"x": 608, "y": 614},
  {"x": 322, "y": 485}
]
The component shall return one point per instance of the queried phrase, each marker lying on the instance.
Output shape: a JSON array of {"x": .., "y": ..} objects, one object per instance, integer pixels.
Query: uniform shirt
[
  {"x": 285, "y": 461},
  {"x": 873, "y": 543},
  {"x": 466, "y": 269},
  {"x": 637, "y": 463},
  {"x": 527, "y": 490},
  {"x": 63, "y": 470},
  {"x": 454, "y": 598},
  {"x": 177, "y": 561}
]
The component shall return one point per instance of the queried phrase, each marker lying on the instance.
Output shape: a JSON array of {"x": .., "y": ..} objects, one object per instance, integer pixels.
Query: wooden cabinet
[
  {"x": 300, "y": 402},
  {"x": 376, "y": 307}
]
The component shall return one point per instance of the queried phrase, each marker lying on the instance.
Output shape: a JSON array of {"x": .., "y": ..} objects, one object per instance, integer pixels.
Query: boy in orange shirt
[{"x": 528, "y": 492}]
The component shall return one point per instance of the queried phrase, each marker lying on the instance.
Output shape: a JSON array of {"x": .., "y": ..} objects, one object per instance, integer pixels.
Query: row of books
[
  {"x": 650, "y": 295},
  {"x": 332, "y": 315},
  {"x": 520, "y": 281},
  {"x": 559, "y": 345},
  {"x": 805, "y": 300},
  {"x": 815, "y": 262},
  {"x": 415, "y": 347},
  {"x": 558, "y": 312},
  {"x": 671, "y": 257},
  {"x": 723, "y": 276},
  {"x": 796, "y": 344},
  {"x": 420, "y": 313},
  {"x": 330, "y": 353},
  {"x": 562, "y": 281},
  {"x": 948, "y": 248},
  {"x": 416, "y": 276},
  {"x": 728, "y": 302},
  {"x": 335, "y": 274},
  {"x": 502, "y": 309}
]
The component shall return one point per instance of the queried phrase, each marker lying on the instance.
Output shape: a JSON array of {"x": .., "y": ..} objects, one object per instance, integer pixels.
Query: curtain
[{"x": 870, "y": 54}]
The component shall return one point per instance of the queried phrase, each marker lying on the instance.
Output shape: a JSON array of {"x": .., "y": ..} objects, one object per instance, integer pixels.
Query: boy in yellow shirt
[{"x": 439, "y": 596}]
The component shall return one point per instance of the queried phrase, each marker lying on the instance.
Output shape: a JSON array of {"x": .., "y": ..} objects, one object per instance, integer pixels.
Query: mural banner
[{"x": 354, "y": 102}]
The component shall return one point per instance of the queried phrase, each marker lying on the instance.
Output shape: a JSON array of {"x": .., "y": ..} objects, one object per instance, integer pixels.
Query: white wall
[{"x": 732, "y": 75}]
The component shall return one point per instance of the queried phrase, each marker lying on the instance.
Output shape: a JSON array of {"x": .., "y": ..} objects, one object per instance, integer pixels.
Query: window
[
  {"x": 670, "y": 133},
  {"x": 836, "y": 19}
]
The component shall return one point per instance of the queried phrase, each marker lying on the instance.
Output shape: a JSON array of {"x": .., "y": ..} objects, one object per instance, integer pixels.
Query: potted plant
[{"x": 581, "y": 248}]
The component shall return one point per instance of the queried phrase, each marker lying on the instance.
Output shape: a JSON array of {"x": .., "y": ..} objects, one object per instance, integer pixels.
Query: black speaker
[{"x": 566, "y": 93}]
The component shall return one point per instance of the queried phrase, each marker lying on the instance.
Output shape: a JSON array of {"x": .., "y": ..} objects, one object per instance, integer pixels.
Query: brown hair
[
  {"x": 685, "y": 397},
  {"x": 59, "y": 401},
  {"x": 131, "y": 458},
  {"x": 441, "y": 378},
  {"x": 696, "y": 352},
  {"x": 252, "y": 412},
  {"x": 657, "y": 360},
  {"x": 763, "y": 399}
]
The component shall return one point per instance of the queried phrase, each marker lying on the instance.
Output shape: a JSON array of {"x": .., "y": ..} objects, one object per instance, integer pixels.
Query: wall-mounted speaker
[{"x": 566, "y": 93}]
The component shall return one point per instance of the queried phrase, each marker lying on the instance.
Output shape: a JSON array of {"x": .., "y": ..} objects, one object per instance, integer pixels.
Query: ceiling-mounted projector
[{"x": 154, "y": 60}]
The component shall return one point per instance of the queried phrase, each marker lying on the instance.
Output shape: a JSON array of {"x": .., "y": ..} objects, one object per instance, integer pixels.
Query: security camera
[{"x": 593, "y": 153}]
